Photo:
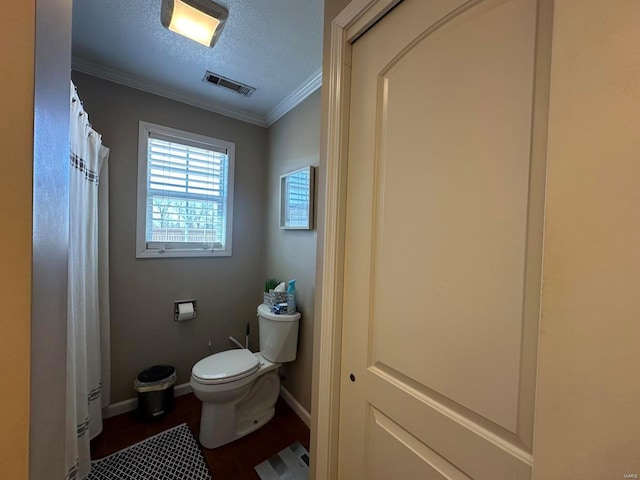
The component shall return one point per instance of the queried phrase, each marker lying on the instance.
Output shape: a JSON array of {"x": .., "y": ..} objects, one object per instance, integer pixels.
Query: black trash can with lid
[{"x": 155, "y": 391}]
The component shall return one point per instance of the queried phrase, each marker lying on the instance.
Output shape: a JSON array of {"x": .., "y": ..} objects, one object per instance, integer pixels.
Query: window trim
[{"x": 145, "y": 129}]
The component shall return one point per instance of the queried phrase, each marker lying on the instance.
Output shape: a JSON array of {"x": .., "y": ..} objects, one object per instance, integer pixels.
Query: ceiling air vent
[{"x": 221, "y": 81}]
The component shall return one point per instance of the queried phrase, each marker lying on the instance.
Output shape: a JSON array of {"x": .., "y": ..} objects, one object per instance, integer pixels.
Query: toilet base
[{"x": 223, "y": 423}]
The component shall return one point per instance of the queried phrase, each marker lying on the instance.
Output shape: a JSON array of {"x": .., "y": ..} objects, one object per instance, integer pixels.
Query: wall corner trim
[{"x": 356, "y": 17}]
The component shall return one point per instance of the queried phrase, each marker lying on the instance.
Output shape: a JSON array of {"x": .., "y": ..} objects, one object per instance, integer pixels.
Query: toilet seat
[{"x": 225, "y": 367}]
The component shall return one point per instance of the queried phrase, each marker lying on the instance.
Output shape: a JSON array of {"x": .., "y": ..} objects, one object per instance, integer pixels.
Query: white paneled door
[{"x": 445, "y": 200}]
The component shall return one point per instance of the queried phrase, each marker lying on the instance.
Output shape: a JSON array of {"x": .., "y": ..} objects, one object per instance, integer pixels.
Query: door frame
[{"x": 350, "y": 24}]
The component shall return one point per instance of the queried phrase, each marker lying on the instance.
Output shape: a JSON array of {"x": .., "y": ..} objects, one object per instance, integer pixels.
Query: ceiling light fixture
[{"x": 199, "y": 20}]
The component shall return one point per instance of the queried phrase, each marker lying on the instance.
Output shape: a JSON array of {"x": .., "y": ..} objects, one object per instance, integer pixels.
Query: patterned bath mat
[
  {"x": 171, "y": 455},
  {"x": 292, "y": 463}
]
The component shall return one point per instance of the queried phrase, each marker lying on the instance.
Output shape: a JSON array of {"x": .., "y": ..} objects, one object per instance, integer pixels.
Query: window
[{"x": 185, "y": 194}]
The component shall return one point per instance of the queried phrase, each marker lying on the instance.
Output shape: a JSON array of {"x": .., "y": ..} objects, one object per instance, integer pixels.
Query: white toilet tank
[{"x": 278, "y": 335}]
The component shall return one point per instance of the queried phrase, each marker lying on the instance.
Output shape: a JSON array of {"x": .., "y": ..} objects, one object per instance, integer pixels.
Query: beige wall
[
  {"x": 228, "y": 289},
  {"x": 294, "y": 142},
  {"x": 17, "y": 30},
  {"x": 588, "y": 408}
]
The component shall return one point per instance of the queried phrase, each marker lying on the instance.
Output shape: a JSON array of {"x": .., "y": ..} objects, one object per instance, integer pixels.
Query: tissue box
[
  {"x": 272, "y": 298},
  {"x": 276, "y": 301}
]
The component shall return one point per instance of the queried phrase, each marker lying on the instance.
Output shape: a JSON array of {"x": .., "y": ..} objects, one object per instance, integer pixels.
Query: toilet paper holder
[{"x": 185, "y": 310}]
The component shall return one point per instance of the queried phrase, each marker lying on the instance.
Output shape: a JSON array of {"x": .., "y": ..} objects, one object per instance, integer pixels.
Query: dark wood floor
[{"x": 233, "y": 461}]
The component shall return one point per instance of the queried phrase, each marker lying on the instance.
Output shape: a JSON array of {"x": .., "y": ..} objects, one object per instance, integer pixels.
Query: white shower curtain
[{"x": 88, "y": 308}]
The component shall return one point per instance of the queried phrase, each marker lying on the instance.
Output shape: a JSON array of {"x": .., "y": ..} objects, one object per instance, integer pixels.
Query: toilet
[{"x": 238, "y": 389}]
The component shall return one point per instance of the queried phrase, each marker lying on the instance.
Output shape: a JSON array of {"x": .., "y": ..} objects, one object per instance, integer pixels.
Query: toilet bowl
[{"x": 239, "y": 389}]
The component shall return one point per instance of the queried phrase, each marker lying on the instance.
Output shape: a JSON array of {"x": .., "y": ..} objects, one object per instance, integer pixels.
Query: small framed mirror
[{"x": 296, "y": 199}]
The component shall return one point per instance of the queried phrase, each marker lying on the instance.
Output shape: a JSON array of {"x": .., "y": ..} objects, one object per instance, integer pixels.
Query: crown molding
[
  {"x": 295, "y": 98},
  {"x": 117, "y": 76}
]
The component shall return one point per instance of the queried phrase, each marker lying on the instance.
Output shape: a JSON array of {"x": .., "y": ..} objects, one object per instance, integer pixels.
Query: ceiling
[{"x": 272, "y": 45}]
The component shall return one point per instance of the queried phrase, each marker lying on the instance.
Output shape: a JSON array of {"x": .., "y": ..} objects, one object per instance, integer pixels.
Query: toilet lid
[{"x": 226, "y": 366}]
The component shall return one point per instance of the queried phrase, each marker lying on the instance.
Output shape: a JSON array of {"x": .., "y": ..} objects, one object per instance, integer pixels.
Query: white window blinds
[
  {"x": 297, "y": 199},
  {"x": 187, "y": 195}
]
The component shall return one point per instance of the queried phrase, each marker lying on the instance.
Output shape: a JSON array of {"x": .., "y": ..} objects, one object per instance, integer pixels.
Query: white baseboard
[
  {"x": 131, "y": 404},
  {"x": 182, "y": 389},
  {"x": 119, "y": 408},
  {"x": 295, "y": 406}
]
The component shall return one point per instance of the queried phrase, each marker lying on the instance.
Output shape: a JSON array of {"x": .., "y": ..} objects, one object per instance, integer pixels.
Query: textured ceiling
[{"x": 272, "y": 45}]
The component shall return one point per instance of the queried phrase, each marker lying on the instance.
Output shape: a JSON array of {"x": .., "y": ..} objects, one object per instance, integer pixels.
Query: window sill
[{"x": 177, "y": 253}]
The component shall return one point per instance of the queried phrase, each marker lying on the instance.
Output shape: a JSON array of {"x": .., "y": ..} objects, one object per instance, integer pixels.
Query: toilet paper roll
[{"x": 185, "y": 311}]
